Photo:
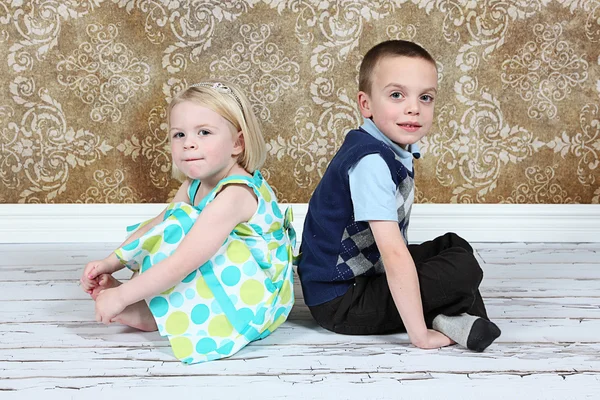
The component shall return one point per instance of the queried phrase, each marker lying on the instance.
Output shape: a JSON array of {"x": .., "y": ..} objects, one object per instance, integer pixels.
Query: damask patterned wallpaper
[{"x": 84, "y": 85}]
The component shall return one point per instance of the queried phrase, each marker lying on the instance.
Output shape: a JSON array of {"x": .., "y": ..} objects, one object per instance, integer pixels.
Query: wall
[{"x": 84, "y": 85}]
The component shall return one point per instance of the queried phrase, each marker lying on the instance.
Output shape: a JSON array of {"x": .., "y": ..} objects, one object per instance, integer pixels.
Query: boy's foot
[{"x": 475, "y": 333}]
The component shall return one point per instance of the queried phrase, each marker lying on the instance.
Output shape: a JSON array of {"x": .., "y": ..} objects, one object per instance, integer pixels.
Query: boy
[{"x": 358, "y": 275}]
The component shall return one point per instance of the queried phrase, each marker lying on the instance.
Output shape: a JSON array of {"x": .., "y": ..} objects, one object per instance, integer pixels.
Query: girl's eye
[
  {"x": 396, "y": 95},
  {"x": 427, "y": 98},
  {"x": 178, "y": 135},
  {"x": 203, "y": 132}
]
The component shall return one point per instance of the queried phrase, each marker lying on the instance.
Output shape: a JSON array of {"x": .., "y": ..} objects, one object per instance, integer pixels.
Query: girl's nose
[{"x": 189, "y": 144}]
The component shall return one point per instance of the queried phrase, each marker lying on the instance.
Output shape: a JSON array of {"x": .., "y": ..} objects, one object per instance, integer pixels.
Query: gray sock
[{"x": 475, "y": 333}]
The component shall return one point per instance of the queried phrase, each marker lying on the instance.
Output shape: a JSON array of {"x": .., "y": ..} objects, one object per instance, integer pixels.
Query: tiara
[{"x": 221, "y": 88}]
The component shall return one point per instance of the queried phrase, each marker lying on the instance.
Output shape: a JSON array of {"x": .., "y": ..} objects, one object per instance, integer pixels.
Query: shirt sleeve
[{"x": 372, "y": 190}]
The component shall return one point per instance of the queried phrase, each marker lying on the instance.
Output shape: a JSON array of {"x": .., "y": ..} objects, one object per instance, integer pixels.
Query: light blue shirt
[{"x": 372, "y": 188}]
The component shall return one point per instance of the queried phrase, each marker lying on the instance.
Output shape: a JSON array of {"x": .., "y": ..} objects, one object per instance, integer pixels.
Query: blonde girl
[{"x": 213, "y": 271}]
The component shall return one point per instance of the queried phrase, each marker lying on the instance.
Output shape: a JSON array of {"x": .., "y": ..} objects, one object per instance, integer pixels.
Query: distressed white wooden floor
[{"x": 544, "y": 297}]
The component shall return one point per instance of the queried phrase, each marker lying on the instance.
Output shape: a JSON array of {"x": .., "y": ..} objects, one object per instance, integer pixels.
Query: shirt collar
[{"x": 405, "y": 156}]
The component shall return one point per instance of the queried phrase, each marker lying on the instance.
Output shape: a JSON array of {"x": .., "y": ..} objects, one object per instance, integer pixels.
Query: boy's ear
[
  {"x": 239, "y": 145},
  {"x": 364, "y": 103}
]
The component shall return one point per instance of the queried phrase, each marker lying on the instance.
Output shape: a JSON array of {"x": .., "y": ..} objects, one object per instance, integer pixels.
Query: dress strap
[
  {"x": 193, "y": 189},
  {"x": 254, "y": 182}
]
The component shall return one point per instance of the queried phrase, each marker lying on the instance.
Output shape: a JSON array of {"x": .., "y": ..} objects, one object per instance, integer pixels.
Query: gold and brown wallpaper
[{"x": 84, "y": 85}]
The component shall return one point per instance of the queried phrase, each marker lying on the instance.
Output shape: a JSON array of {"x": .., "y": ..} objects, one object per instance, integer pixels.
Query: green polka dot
[
  {"x": 168, "y": 291},
  {"x": 243, "y": 229},
  {"x": 202, "y": 289},
  {"x": 275, "y": 226},
  {"x": 273, "y": 245},
  {"x": 182, "y": 347},
  {"x": 286, "y": 292},
  {"x": 238, "y": 252},
  {"x": 252, "y": 292},
  {"x": 152, "y": 244},
  {"x": 177, "y": 323},
  {"x": 265, "y": 192},
  {"x": 220, "y": 326}
]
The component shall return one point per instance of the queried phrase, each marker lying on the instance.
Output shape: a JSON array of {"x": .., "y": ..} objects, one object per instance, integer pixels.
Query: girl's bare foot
[
  {"x": 105, "y": 281},
  {"x": 136, "y": 315}
]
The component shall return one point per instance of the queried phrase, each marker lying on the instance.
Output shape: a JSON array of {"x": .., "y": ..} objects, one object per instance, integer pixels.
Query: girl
[{"x": 215, "y": 267}]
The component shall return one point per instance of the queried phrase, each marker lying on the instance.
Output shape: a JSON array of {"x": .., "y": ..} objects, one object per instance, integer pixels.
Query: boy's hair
[
  {"x": 390, "y": 48},
  {"x": 227, "y": 100}
]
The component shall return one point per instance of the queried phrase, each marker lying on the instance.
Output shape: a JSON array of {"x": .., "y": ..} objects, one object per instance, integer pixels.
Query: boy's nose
[{"x": 412, "y": 108}]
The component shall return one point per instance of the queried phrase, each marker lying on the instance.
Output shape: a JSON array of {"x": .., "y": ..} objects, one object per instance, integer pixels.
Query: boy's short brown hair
[{"x": 390, "y": 48}]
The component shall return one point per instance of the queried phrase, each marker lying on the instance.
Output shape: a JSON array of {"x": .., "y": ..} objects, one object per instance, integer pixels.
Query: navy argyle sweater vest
[{"x": 335, "y": 248}]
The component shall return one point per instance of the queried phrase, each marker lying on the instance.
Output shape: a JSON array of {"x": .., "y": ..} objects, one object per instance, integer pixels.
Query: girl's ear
[{"x": 239, "y": 145}]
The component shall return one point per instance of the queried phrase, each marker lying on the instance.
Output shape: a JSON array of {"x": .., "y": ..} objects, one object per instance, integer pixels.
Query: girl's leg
[{"x": 136, "y": 315}]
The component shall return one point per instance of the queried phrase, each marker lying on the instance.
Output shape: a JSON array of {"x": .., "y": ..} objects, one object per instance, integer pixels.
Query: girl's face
[{"x": 204, "y": 145}]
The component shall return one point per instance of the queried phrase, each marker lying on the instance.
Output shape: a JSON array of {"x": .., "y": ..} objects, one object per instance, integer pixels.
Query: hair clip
[{"x": 221, "y": 88}]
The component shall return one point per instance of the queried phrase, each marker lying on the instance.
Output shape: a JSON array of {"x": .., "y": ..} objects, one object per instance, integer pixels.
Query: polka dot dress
[{"x": 243, "y": 293}]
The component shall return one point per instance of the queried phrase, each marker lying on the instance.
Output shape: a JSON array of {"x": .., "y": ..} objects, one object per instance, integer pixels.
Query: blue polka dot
[
  {"x": 206, "y": 345},
  {"x": 176, "y": 299},
  {"x": 172, "y": 234},
  {"x": 257, "y": 253},
  {"x": 262, "y": 207},
  {"x": 159, "y": 306},
  {"x": 250, "y": 242},
  {"x": 276, "y": 209},
  {"x": 259, "y": 319},
  {"x": 131, "y": 245},
  {"x": 282, "y": 253},
  {"x": 249, "y": 268},
  {"x": 146, "y": 263},
  {"x": 231, "y": 276},
  {"x": 220, "y": 259},
  {"x": 279, "y": 312},
  {"x": 158, "y": 257},
  {"x": 278, "y": 234},
  {"x": 190, "y": 277},
  {"x": 216, "y": 307},
  {"x": 226, "y": 347},
  {"x": 245, "y": 315},
  {"x": 190, "y": 293},
  {"x": 251, "y": 334},
  {"x": 200, "y": 314},
  {"x": 257, "y": 229},
  {"x": 268, "y": 219},
  {"x": 188, "y": 360},
  {"x": 184, "y": 219}
]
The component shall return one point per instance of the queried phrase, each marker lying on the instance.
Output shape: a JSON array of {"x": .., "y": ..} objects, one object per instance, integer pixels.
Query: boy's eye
[
  {"x": 203, "y": 132},
  {"x": 396, "y": 95},
  {"x": 427, "y": 98}
]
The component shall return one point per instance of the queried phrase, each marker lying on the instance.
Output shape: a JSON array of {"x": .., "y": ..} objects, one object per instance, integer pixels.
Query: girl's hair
[{"x": 227, "y": 100}]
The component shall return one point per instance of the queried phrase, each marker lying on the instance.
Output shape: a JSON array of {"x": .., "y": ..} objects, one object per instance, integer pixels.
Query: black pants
[{"x": 449, "y": 278}]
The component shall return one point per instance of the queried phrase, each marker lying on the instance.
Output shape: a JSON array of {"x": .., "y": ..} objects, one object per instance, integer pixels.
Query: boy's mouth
[{"x": 410, "y": 126}]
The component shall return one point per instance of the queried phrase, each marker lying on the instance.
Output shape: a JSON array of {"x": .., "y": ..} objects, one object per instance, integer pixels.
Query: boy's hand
[
  {"x": 109, "y": 304},
  {"x": 92, "y": 271},
  {"x": 432, "y": 340}
]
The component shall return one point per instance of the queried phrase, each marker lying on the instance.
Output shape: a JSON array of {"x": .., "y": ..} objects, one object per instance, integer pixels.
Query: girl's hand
[
  {"x": 109, "y": 304},
  {"x": 92, "y": 271}
]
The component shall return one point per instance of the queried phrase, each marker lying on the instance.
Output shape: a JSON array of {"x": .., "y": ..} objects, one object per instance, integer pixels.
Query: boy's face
[{"x": 402, "y": 98}]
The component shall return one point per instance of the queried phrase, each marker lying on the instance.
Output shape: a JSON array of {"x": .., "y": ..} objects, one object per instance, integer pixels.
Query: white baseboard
[{"x": 56, "y": 223}]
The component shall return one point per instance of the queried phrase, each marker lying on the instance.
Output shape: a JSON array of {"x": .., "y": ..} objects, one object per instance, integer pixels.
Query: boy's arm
[
  {"x": 404, "y": 284},
  {"x": 235, "y": 204}
]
